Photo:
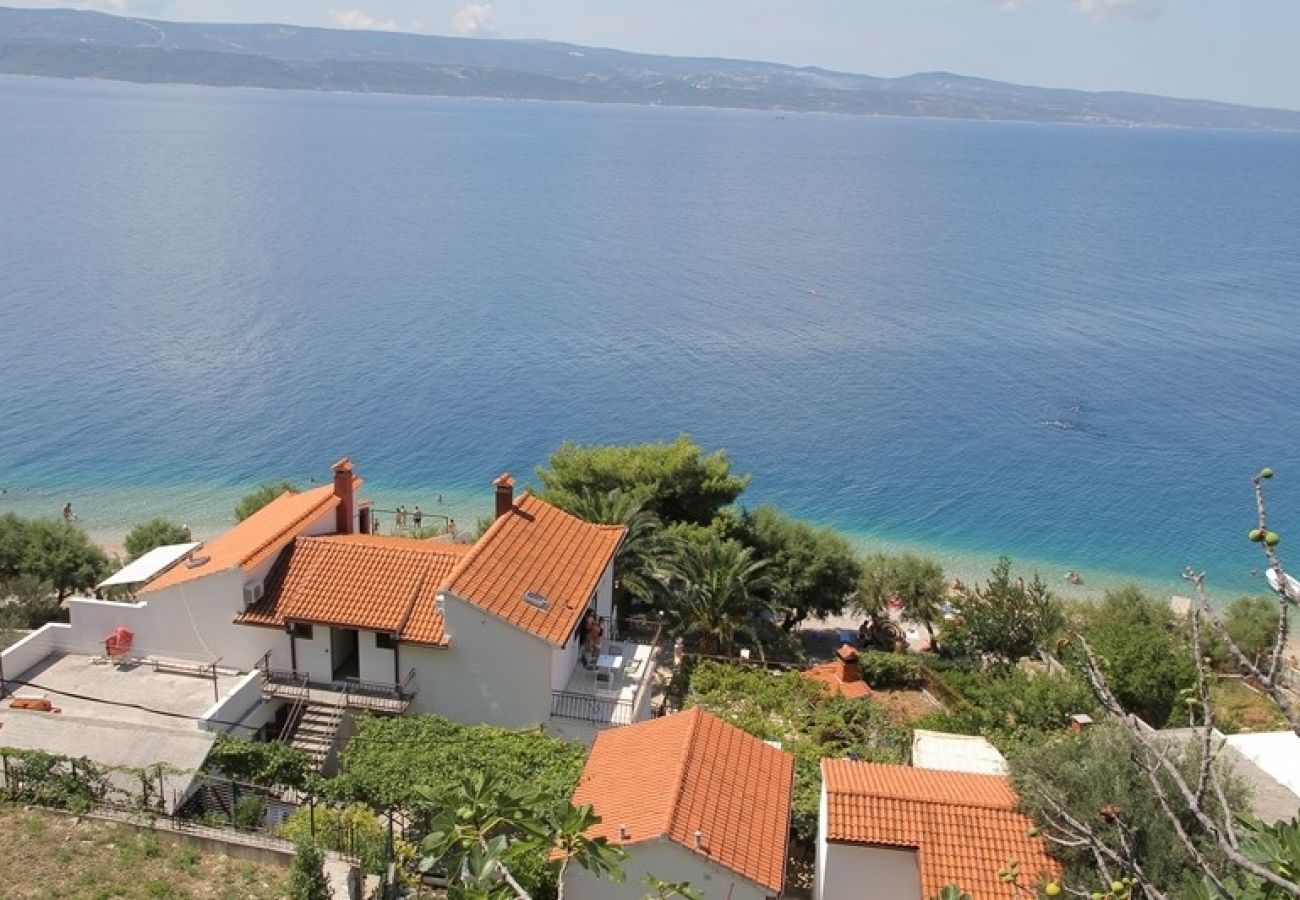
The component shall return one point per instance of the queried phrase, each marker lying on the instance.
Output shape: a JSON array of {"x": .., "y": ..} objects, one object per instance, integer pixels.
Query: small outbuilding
[{"x": 691, "y": 798}]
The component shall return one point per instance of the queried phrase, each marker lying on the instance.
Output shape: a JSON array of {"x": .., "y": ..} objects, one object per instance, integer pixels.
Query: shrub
[
  {"x": 250, "y": 812},
  {"x": 354, "y": 830},
  {"x": 890, "y": 670},
  {"x": 307, "y": 879}
]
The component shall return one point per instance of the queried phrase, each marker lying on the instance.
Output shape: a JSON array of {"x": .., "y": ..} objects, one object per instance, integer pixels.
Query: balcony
[
  {"x": 612, "y": 690},
  {"x": 349, "y": 693}
]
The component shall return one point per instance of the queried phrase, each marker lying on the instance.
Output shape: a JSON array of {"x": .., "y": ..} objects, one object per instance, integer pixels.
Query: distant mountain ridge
[{"x": 83, "y": 44}]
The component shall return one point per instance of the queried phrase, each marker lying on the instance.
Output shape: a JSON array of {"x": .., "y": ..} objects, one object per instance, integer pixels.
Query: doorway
[{"x": 344, "y": 651}]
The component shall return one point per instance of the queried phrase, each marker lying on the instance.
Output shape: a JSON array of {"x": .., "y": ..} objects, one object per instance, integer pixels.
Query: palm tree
[
  {"x": 716, "y": 586},
  {"x": 641, "y": 559}
]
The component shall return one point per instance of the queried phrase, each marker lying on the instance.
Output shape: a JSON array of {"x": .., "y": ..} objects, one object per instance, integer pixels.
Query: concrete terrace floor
[
  {"x": 131, "y": 693},
  {"x": 125, "y": 716}
]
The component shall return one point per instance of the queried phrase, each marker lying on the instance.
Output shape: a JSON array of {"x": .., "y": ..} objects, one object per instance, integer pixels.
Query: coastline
[{"x": 109, "y": 512}]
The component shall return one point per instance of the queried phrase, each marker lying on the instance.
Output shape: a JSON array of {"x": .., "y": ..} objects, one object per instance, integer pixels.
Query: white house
[
  {"x": 905, "y": 833},
  {"x": 690, "y": 798},
  {"x": 334, "y": 617}
]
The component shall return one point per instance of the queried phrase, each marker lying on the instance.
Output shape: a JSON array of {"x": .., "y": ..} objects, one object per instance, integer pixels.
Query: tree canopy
[
  {"x": 157, "y": 532},
  {"x": 1252, "y": 622},
  {"x": 49, "y": 552},
  {"x": 1005, "y": 619},
  {"x": 260, "y": 496},
  {"x": 809, "y": 572},
  {"x": 716, "y": 590},
  {"x": 917, "y": 581},
  {"x": 675, "y": 481},
  {"x": 1145, "y": 659}
]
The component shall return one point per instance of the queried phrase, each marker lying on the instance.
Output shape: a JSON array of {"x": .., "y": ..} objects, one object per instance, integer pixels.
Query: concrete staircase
[{"x": 317, "y": 730}]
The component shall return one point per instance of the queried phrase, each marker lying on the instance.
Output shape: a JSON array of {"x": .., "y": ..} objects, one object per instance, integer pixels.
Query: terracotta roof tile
[
  {"x": 372, "y": 582},
  {"x": 255, "y": 539},
  {"x": 540, "y": 548},
  {"x": 963, "y": 826},
  {"x": 671, "y": 776}
]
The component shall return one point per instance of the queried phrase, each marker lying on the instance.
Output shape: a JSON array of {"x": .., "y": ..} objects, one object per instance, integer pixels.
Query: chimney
[
  {"x": 849, "y": 668},
  {"x": 505, "y": 485},
  {"x": 343, "y": 490}
]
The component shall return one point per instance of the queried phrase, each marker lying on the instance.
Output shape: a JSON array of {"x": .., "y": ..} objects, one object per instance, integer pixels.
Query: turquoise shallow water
[{"x": 1071, "y": 345}]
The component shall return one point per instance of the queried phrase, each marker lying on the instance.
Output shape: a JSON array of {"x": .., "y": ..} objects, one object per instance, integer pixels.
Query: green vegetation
[
  {"x": 54, "y": 857},
  {"x": 801, "y": 714},
  {"x": 1009, "y": 706},
  {"x": 716, "y": 586},
  {"x": 489, "y": 838},
  {"x": 1144, "y": 656},
  {"x": 354, "y": 830},
  {"x": 265, "y": 763},
  {"x": 390, "y": 757},
  {"x": 157, "y": 532},
  {"x": 307, "y": 879},
  {"x": 809, "y": 572},
  {"x": 916, "y": 581},
  {"x": 1251, "y": 622},
  {"x": 675, "y": 481},
  {"x": 890, "y": 670},
  {"x": 40, "y": 557},
  {"x": 259, "y": 497},
  {"x": 1004, "y": 620},
  {"x": 1098, "y": 776}
]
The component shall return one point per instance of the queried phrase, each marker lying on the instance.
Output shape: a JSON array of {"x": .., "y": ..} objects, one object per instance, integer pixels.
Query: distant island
[{"x": 82, "y": 44}]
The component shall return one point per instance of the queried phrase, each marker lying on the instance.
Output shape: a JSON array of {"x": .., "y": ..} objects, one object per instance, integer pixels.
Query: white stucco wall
[
  {"x": 194, "y": 620},
  {"x": 376, "y": 663},
  {"x": 852, "y": 871},
  {"x": 492, "y": 672},
  {"x": 672, "y": 862},
  {"x": 314, "y": 655},
  {"x": 563, "y": 661},
  {"x": 605, "y": 596},
  {"x": 240, "y": 711}
]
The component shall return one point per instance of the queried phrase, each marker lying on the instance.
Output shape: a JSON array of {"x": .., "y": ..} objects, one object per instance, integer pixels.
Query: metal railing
[
  {"x": 348, "y": 693},
  {"x": 591, "y": 708}
]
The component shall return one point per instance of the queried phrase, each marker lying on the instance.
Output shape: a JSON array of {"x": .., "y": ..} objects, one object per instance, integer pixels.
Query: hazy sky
[{"x": 1237, "y": 50}]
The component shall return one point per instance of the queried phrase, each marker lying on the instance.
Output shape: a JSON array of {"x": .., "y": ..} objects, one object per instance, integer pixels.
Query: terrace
[
  {"x": 615, "y": 688},
  {"x": 133, "y": 714}
]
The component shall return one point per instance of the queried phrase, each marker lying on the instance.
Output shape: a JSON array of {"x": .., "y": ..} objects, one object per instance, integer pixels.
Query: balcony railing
[
  {"x": 593, "y": 708},
  {"x": 349, "y": 693}
]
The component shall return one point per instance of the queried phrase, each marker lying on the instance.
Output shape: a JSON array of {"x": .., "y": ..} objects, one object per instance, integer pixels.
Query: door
[{"x": 344, "y": 651}]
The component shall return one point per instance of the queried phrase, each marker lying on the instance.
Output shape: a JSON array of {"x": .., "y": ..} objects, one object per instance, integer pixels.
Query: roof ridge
[
  {"x": 275, "y": 538},
  {"x": 692, "y": 728}
]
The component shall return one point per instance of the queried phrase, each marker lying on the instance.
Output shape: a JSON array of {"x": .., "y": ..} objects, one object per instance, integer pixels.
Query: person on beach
[
  {"x": 401, "y": 516},
  {"x": 68, "y": 514},
  {"x": 418, "y": 517}
]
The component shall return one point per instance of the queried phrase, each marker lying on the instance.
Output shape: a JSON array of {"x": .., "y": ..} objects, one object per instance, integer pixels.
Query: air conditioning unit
[{"x": 253, "y": 592}]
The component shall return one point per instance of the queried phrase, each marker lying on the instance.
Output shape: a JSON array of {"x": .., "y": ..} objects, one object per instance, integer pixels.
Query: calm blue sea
[{"x": 1072, "y": 345}]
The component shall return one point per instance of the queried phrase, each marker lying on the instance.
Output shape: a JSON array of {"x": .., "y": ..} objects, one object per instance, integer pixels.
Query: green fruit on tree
[
  {"x": 1033, "y": 831},
  {"x": 1097, "y": 896},
  {"x": 1256, "y": 534},
  {"x": 1053, "y": 889},
  {"x": 1117, "y": 887},
  {"x": 1265, "y": 472},
  {"x": 1272, "y": 538}
]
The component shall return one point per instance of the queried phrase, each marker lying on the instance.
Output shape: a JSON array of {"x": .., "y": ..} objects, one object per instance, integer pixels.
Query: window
[
  {"x": 302, "y": 630},
  {"x": 385, "y": 641}
]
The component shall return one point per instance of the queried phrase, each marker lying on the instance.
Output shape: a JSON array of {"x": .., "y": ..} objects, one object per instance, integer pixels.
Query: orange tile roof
[
  {"x": 829, "y": 675},
  {"x": 372, "y": 582},
  {"x": 255, "y": 539},
  {"x": 540, "y": 548},
  {"x": 963, "y": 826},
  {"x": 670, "y": 776}
]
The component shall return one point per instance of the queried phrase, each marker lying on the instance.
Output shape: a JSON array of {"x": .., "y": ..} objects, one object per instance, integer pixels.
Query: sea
[{"x": 1070, "y": 345}]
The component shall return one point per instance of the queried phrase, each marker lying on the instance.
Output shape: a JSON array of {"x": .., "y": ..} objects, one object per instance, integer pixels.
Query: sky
[{"x": 1240, "y": 51}]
